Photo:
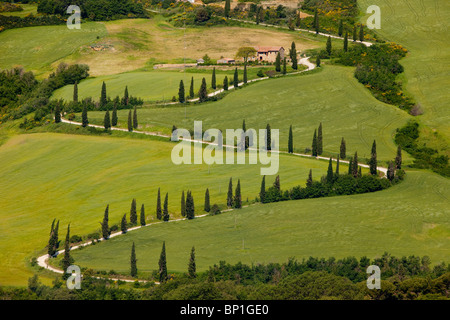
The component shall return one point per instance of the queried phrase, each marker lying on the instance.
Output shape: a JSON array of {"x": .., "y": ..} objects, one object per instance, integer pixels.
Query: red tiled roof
[{"x": 268, "y": 49}]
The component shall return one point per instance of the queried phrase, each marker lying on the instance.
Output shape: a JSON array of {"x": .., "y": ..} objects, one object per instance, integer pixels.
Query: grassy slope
[
  {"x": 332, "y": 97},
  {"x": 422, "y": 27},
  {"x": 409, "y": 219},
  {"x": 36, "y": 48},
  {"x": 72, "y": 178},
  {"x": 27, "y": 9}
]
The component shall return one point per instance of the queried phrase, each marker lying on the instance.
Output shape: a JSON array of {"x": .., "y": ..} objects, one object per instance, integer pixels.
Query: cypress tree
[
  {"x": 203, "y": 93},
  {"x": 107, "y": 121},
  {"x": 133, "y": 261},
  {"x": 318, "y": 61},
  {"x": 341, "y": 28},
  {"x": 142, "y": 216},
  {"x": 277, "y": 184},
  {"x": 398, "y": 158},
  {"x": 268, "y": 138},
  {"x": 183, "y": 205},
  {"x": 245, "y": 74},
  {"x": 319, "y": 140},
  {"x": 207, "y": 203},
  {"x": 105, "y": 224},
  {"x": 130, "y": 122},
  {"x": 67, "y": 260},
  {"x": 291, "y": 141},
  {"x": 236, "y": 79},
  {"x": 227, "y": 8},
  {"x": 346, "y": 42},
  {"x": 190, "y": 208},
  {"x": 293, "y": 56},
  {"x": 309, "y": 181},
  {"x": 163, "y": 264},
  {"x": 278, "y": 62},
  {"x": 373, "y": 159},
  {"x": 51, "y": 241},
  {"x": 103, "y": 99},
  {"x": 230, "y": 194},
  {"x": 354, "y": 33},
  {"x": 314, "y": 144},
  {"x": 355, "y": 165},
  {"x": 337, "y": 167},
  {"x": 350, "y": 166},
  {"x": 191, "y": 89},
  {"x": 391, "y": 171},
  {"x": 126, "y": 98},
  {"x": 191, "y": 266},
  {"x": 75, "y": 92},
  {"x": 56, "y": 238},
  {"x": 316, "y": 21},
  {"x": 247, "y": 139},
  {"x": 166, "y": 215},
  {"x": 123, "y": 224},
  {"x": 114, "y": 118},
  {"x": 238, "y": 196},
  {"x": 158, "y": 205},
  {"x": 213, "y": 79},
  {"x": 135, "y": 118},
  {"x": 329, "y": 46},
  {"x": 359, "y": 172},
  {"x": 330, "y": 172},
  {"x": 181, "y": 93},
  {"x": 133, "y": 213},
  {"x": 284, "y": 66},
  {"x": 57, "y": 113},
  {"x": 84, "y": 117},
  {"x": 361, "y": 33},
  {"x": 225, "y": 83},
  {"x": 343, "y": 149},
  {"x": 262, "y": 192}
]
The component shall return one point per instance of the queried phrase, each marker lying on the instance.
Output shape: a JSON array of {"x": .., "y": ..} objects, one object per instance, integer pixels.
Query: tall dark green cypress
[
  {"x": 107, "y": 121},
  {"x": 246, "y": 140},
  {"x": 309, "y": 181},
  {"x": 245, "y": 74},
  {"x": 227, "y": 8},
  {"x": 203, "y": 93},
  {"x": 314, "y": 144},
  {"x": 278, "y": 62},
  {"x": 346, "y": 41},
  {"x": 51, "y": 241},
  {"x": 262, "y": 192},
  {"x": 318, "y": 61},
  {"x": 373, "y": 159},
  {"x": 123, "y": 224},
  {"x": 398, "y": 158},
  {"x": 126, "y": 98},
  {"x": 337, "y": 167},
  {"x": 158, "y": 205},
  {"x": 236, "y": 79},
  {"x": 230, "y": 194},
  {"x": 133, "y": 261},
  {"x": 190, "y": 208},
  {"x": 355, "y": 37},
  {"x": 238, "y": 196},
  {"x": 293, "y": 56},
  {"x": 284, "y": 66},
  {"x": 135, "y": 118},
  {"x": 350, "y": 166},
  {"x": 355, "y": 165},
  {"x": 391, "y": 171},
  {"x": 183, "y": 205},
  {"x": 75, "y": 92},
  {"x": 191, "y": 89},
  {"x": 343, "y": 149},
  {"x": 268, "y": 138},
  {"x": 130, "y": 122},
  {"x": 181, "y": 93},
  {"x": 57, "y": 113},
  {"x": 114, "y": 118},
  {"x": 341, "y": 28},
  {"x": 319, "y": 140},
  {"x": 103, "y": 99},
  {"x": 225, "y": 83},
  {"x": 361, "y": 33},
  {"x": 142, "y": 216},
  {"x": 192, "y": 269},
  {"x": 329, "y": 46},
  {"x": 163, "y": 265},
  {"x": 105, "y": 224},
  {"x": 84, "y": 117},
  {"x": 213, "y": 79},
  {"x": 316, "y": 21},
  {"x": 291, "y": 141},
  {"x": 207, "y": 202},
  {"x": 277, "y": 184},
  {"x": 67, "y": 260},
  {"x": 133, "y": 213},
  {"x": 330, "y": 172},
  {"x": 166, "y": 215}
]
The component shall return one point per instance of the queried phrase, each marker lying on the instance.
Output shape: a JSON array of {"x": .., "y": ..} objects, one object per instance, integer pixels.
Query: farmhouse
[
  {"x": 268, "y": 54},
  {"x": 225, "y": 61}
]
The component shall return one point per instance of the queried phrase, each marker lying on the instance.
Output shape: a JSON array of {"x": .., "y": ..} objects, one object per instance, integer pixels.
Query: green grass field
[
  {"x": 333, "y": 97},
  {"x": 409, "y": 219},
  {"x": 27, "y": 9},
  {"x": 73, "y": 178},
  {"x": 422, "y": 27}
]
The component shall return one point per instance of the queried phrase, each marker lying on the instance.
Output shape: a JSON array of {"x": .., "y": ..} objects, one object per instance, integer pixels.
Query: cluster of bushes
[
  {"x": 425, "y": 157},
  {"x": 95, "y": 9},
  {"x": 92, "y": 105},
  {"x": 11, "y": 22},
  {"x": 10, "y": 7}
]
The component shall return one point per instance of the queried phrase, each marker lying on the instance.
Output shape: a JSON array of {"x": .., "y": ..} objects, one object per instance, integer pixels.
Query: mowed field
[
  {"x": 409, "y": 219},
  {"x": 73, "y": 178},
  {"x": 422, "y": 26},
  {"x": 333, "y": 97}
]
